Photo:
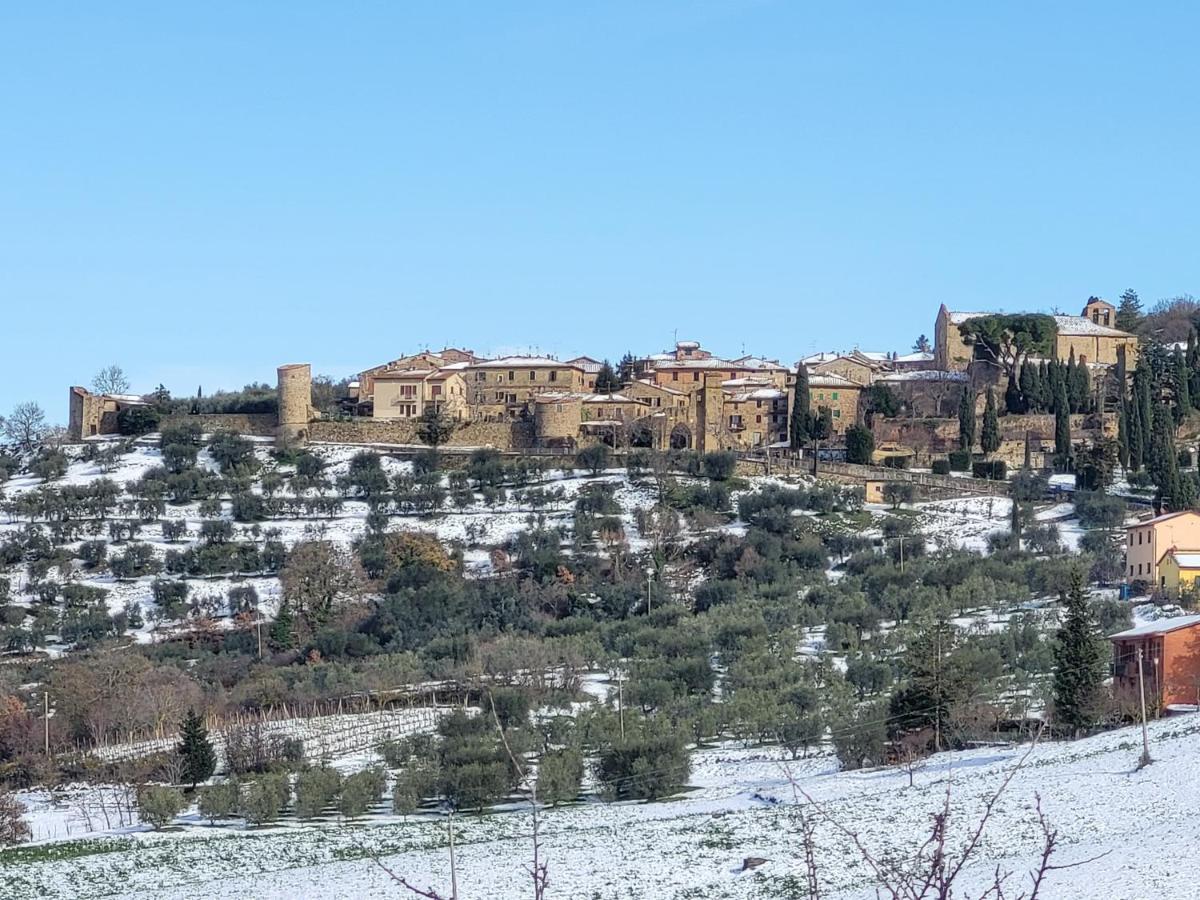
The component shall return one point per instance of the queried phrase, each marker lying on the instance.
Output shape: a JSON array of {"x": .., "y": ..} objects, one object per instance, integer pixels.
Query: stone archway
[{"x": 681, "y": 437}]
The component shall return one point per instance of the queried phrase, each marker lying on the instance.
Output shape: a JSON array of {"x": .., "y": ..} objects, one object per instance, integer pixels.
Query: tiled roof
[
  {"x": 525, "y": 362},
  {"x": 1158, "y": 626}
]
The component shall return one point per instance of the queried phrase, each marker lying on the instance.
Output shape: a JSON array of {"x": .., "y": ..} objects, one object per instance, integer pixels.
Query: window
[
  {"x": 435, "y": 390},
  {"x": 512, "y": 376},
  {"x": 674, "y": 376},
  {"x": 512, "y": 398},
  {"x": 1131, "y": 571},
  {"x": 554, "y": 375},
  {"x": 833, "y": 396},
  {"x": 695, "y": 376},
  {"x": 532, "y": 375},
  {"x": 758, "y": 405},
  {"x": 837, "y": 413},
  {"x": 758, "y": 420},
  {"x": 499, "y": 396}
]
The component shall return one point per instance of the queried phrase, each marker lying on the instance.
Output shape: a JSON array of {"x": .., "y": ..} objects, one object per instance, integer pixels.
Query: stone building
[
  {"x": 426, "y": 359},
  {"x": 1087, "y": 336},
  {"x": 841, "y": 395},
  {"x": 502, "y": 388},
  {"x": 854, "y": 366},
  {"x": 687, "y": 367},
  {"x": 405, "y": 394},
  {"x": 295, "y": 403},
  {"x": 755, "y": 414},
  {"x": 95, "y": 414}
]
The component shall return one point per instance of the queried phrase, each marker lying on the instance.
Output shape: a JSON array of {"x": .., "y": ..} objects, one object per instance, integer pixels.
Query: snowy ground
[{"x": 741, "y": 804}]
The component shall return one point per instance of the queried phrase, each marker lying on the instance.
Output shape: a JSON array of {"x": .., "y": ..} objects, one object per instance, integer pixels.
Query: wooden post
[
  {"x": 1145, "y": 760},
  {"x": 46, "y": 718}
]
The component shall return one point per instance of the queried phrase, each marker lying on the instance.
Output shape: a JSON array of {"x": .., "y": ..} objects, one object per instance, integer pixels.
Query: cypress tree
[
  {"x": 1015, "y": 521},
  {"x": 1193, "y": 369},
  {"x": 1045, "y": 388},
  {"x": 1079, "y": 663},
  {"x": 1123, "y": 434},
  {"x": 1163, "y": 463},
  {"x": 1062, "y": 425},
  {"x": 1080, "y": 386},
  {"x": 1029, "y": 387},
  {"x": 800, "y": 424},
  {"x": 1183, "y": 393},
  {"x": 1014, "y": 401},
  {"x": 1136, "y": 435},
  {"x": 989, "y": 437},
  {"x": 195, "y": 749},
  {"x": 966, "y": 419}
]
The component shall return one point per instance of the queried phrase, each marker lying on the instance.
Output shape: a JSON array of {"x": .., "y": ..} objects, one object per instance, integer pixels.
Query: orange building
[{"x": 1170, "y": 662}]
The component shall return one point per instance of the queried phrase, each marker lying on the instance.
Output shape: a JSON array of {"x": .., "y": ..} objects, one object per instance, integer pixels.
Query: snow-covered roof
[
  {"x": 763, "y": 393},
  {"x": 829, "y": 380},
  {"x": 745, "y": 382},
  {"x": 918, "y": 356},
  {"x": 1186, "y": 559},
  {"x": 646, "y": 382},
  {"x": 958, "y": 317},
  {"x": 589, "y": 365},
  {"x": 523, "y": 362},
  {"x": 925, "y": 375},
  {"x": 610, "y": 398},
  {"x": 1080, "y": 325},
  {"x": 707, "y": 362},
  {"x": 1158, "y": 626},
  {"x": 759, "y": 362}
]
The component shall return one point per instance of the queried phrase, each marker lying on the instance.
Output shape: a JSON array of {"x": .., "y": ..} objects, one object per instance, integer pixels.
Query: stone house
[
  {"x": 1087, "y": 337},
  {"x": 503, "y": 388},
  {"x": 1148, "y": 541},
  {"x": 754, "y": 413},
  {"x": 853, "y": 366},
  {"x": 689, "y": 365},
  {"x": 95, "y": 414},
  {"x": 591, "y": 368},
  {"x": 405, "y": 394},
  {"x": 841, "y": 395}
]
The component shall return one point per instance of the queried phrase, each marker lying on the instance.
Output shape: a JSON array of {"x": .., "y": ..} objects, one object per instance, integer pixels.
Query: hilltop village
[{"x": 689, "y": 398}]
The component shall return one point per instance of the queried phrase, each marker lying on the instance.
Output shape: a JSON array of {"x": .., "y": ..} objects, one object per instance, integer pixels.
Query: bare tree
[
  {"x": 26, "y": 425},
  {"x": 932, "y": 869},
  {"x": 111, "y": 380}
]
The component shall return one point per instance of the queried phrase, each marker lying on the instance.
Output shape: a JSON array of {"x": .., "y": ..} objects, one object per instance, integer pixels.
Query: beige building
[
  {"x": 929, "y": 393},
  {"x": 1147, "y": 542},
  {"x": 853, "y": 366},
  {"x": 94, "y": 414},
  {"x": 1088, "y": 336},
  {"x": 687, "y": 367},
  {"x": 841, "y": 395},
  {"x": 426, "y": 359},
  {"x": 755, "y": 413},
  {"x": 503, "y": 388},
  {"x": 407, "y": 393}
]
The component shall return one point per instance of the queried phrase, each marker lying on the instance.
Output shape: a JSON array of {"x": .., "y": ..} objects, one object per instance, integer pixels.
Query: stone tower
[{"x": 295, "y": 403}]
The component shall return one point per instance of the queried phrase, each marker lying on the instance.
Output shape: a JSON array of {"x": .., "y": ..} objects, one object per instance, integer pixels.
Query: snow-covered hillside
[{"x": 740, "y": 805}]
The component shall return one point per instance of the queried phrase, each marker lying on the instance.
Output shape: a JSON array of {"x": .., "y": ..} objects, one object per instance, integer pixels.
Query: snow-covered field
[{"x": 741, "y": 804}]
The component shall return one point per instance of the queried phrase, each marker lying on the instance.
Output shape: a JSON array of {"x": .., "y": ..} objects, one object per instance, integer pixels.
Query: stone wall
[
  {"x": 502, "y": 435},
  {"x": 258, "y": 424}
]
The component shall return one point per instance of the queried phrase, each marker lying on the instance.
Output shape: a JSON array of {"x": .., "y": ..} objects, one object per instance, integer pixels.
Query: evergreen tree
[
  {"x": 1080, "y": 658},
  {"x": 936, "y": 682},
  {"x": 195, "y": 749},
  {"x": 1030, "y": 387},
  {"x": 1045, "y": 388},
  {"x": 1014, "y": 400},
  {"x": 1129, "y": 312},
  {"x": 1163, "y": 462},
  {"x": 1123, "y": 434},
  {"x": 1015, "y": 521},
  {"x": 1062, "y": 425},
  {"x": 625, "y": 369},
  {"x": 989, "y": 436},
  {"x": 606, "y": 379},
  {"x": 801, "y": 420},
  {"x": 1079, "y": 385},
  {"x": 1183, "y": 393},
  {"x": 966, "y": 419},
  {"x": 1192, "y": 361}
]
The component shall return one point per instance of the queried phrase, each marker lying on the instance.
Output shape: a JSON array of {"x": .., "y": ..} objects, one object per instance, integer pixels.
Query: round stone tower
[{"x": 295, "y": 403}]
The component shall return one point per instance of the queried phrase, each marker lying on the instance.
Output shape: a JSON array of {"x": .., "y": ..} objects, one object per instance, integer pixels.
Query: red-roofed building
[{"x": 1170, "y": 661}]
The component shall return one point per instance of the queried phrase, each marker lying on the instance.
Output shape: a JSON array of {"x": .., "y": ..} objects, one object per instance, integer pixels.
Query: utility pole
[
  {"x": 453, "y": 869},
  {"x": 46, "y": 719},
  {"x": 1145, "y": 760},
  {"x": 649, "y": 575},
  {"x": 259, "y": 623},
  {"x": 901, "y": 554},
  {"x": 621, "y": 703}
]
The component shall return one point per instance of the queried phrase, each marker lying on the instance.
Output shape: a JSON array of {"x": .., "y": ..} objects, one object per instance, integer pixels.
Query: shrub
[
  {"x": 219, "y": 801},
  {"x": 646, "y": 764},
  {"x": 360, "y": 791},
  {"x": 860, "y": 444},
  {"x": 941, "y": 467},
  {"x": 594, "y": 458},
  {"x": 414, "y": 784},
  {"x": 959, "y": 460},
  {"x": 159, "y": 805},
  {"x": 897, "y": 492},
  {"x": 896, "y": 462},
  {"x": 136, "y": 420},
  {"x": 719, "y": 465},
  {"x": 560, "y": 772},
  {"x": 992, "y": 469},
  {"x": 859, "y": 738},
  {"x": 13, "y": 827},
  {"x": 262, "y": 800},
  {"x": 315, "y": 790}
]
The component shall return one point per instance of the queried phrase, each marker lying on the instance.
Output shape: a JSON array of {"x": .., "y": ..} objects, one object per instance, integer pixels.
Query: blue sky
[{"x": 200, "y": 192}]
